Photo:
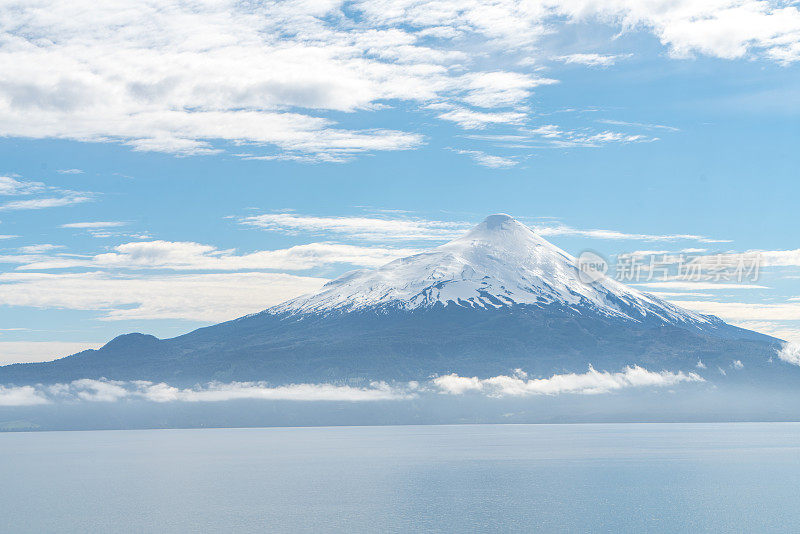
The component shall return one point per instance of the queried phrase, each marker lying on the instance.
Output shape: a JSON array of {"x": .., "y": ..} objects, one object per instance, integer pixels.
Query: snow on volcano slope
[{"x": 498, "y": 263}]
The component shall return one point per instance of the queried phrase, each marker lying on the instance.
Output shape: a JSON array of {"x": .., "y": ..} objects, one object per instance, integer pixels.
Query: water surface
[{"x": 733, "y": 477}]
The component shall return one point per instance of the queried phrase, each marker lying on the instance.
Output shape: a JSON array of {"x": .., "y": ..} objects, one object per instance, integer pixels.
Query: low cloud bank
[
  {"x": 21, "y": 396},
  {"x": 90, "y": 390},
  {"x": 516, "y": 385},
  {"x": 591, "y": 382}
]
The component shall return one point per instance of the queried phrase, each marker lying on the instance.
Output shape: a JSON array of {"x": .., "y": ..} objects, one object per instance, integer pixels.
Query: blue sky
[{"x": 172, "y": 164}]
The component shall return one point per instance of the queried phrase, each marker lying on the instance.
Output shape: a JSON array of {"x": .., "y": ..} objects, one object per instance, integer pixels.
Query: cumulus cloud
[{"x": 591, "y": 382}]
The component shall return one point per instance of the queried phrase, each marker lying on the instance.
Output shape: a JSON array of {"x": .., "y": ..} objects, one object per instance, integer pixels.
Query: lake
[{"x": 731, "y": 477}]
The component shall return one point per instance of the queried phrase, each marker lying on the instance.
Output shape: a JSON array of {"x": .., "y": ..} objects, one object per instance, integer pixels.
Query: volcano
[{"x": 497, "y": 299}]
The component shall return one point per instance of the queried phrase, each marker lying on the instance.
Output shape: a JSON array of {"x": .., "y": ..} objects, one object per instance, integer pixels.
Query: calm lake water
[{"x": 736, "y": 477}]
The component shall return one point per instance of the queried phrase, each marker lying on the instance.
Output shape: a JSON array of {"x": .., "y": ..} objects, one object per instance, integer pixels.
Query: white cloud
[
  {"x": 790, "y": 352},
  {"x": 12, "y": 186},
  {"x": 365, "y": 228},
  {"x": 157, "y": 86},
  {"x": 553, "y": 136},
  {"x": 39, "y": 249},
  {"x": 591, "y": 60},
  {"x": 383, "y": 229},
  {"x": 591, "y": 382},
  {"x": 94, "y": 224},
  {"x": 69, "y": 171},
  {"x": 702, "y": 286},
  {"x": 744, "y": 311},
  {"x": 187, "y": 255},
  {"x": 52, "y": 202},
  {"x": 475, "y": 120},
  {"x": 21, "y": 396},
  {"x": 103, "y": 390},
  {"x": 225, "y": 296},
  {"x": 39, "y": 351},
  {"x": 499, "y": 88},
  {"x": 96, "y": 390},
  {"x": 180, "y": 76},
  {"x": 112, "y": 390},
  {"x": 488, "y": 160},
  {"x": 640, "y": 125},
  {"x": 563, "y": 230}
]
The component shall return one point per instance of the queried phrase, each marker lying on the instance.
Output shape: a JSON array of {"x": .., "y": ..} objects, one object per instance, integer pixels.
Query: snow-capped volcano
[
  {"x": 497, "y": 299},
  {"x": 498, "y": 263}
]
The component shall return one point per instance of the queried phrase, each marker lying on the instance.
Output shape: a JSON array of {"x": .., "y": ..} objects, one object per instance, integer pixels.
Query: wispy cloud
[
  {"x": 591, "y": 59},
  {"x": 476, "y": 120},
  {"x": 11, "y": 186},
  {"x": 42, "y": 203},
  {"x": 94, "y": 224},
  {"x": 69, "y": 171},
  {"x": 55, "y": 197},
  {"x": 644, "y": 125},
  {"x": 564, "y": 230},
  {"x": 699, "y": 285},
  {"x": 549, "y": 136},
  {"x": 39, "y": 249},
  {"x": 366, "y": 228},
  {"x": 488, "y": 160}
]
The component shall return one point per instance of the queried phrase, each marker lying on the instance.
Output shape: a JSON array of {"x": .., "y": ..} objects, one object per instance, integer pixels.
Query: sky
[{"x": 169, "y": 165}]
